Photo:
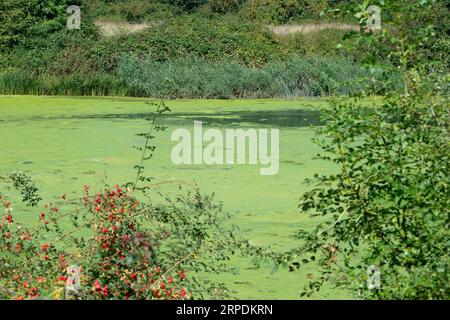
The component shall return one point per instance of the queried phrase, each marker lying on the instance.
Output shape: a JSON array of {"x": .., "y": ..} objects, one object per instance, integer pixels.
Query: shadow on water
[
  {"x": 277, "y": 118},
  {"x": 282, "y": 118}
]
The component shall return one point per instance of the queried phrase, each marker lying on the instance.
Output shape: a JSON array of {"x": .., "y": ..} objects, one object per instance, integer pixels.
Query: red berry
[
  {"x": 105, "y": 291},
  {"x": 97, "y": 285}
]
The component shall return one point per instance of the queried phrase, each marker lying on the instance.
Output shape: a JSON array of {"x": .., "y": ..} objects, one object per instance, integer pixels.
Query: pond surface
[
  {"x": 275, "y": 118},
  {"x": 65, "y": 143}
]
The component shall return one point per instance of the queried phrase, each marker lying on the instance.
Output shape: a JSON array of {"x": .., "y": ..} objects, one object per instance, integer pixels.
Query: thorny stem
[{"x": 147, "y": 140}]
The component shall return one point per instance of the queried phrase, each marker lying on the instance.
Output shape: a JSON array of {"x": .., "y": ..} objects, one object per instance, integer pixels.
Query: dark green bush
[
  {"x": 383, "y": 215},
  {"x": 212, "y": 39},
  {"x": 129, "y": 10},
  {"x": 283, "y": 11},
  {"x": 225, "y": 6},
  {"x": 186, "y": 5},
  {"x": 21, "y": 20}
]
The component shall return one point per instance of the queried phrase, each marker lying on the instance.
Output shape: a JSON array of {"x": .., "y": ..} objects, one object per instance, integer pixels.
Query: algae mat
[{"x": 65, "y": 143}]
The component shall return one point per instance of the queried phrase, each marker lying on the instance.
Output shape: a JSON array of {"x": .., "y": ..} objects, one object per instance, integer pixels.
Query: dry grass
[
  {"x": 286, "y": 29},
  {"x": 112, "y": 28}
]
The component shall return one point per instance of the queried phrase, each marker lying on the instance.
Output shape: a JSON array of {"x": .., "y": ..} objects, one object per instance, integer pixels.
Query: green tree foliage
[
  {"x": 186, "y": 5},
  {"x": 22, "y": 19},
  {"x": 388, "y": 204},
  {"x": 283, "y": 11},
  {"x": 225, "y": 6}
]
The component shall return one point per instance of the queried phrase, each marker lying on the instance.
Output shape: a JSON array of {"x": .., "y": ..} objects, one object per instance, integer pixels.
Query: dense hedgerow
[
  {"x": 212, "y": 39},
  {"x": 284, "y": 11}
]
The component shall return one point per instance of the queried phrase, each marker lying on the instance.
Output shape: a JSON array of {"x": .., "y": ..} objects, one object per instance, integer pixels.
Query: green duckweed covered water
[{"x": 65, "y": 143}]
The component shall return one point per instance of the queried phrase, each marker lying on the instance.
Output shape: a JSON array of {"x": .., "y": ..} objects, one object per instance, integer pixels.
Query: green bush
[
  {"x": 384, "y": 214},
  {"x": 283, "y": 11},
  {"x": 212, "y": 39},
  {"x": 186, "y": 5},
  {"x": 225, "y": 6},
  {"x": 21, "y": 20},
  {"x": 129, "y": 10}
]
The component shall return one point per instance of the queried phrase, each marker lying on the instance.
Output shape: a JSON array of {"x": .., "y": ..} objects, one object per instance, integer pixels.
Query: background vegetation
[{"x": 38, "y": 55}]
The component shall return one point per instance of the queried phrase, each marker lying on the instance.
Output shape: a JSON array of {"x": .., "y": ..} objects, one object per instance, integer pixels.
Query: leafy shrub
[
  {"x": 326, "y": 42},
  {"x": 132, "y": 11},
  {"x": 22, "y": 19},
  {"x": 118, "y": 248},
  {"x": 57, "y": 57},
  {"x": 283, "y": 11},
  {"x": 387, "y": 203},
  {"x": 186, "y": 5},
  {"x": 225, "y": 6},
  {"x": 210, "y": 39},
  {"x": 387, "y": 207},
  {"x": 85, "y": 51},
  {"x": 115, "y": 263},
  {"x": 76, "y": 62}
]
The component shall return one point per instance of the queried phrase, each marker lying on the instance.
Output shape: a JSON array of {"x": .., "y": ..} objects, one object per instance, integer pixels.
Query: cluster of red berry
[
  {"x": 116, "y": 261},
  {"x": 119, "y": 238}
]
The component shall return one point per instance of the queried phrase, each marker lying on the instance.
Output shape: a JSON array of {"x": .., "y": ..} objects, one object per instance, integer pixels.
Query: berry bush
[{"x": 115, "y": 260}]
